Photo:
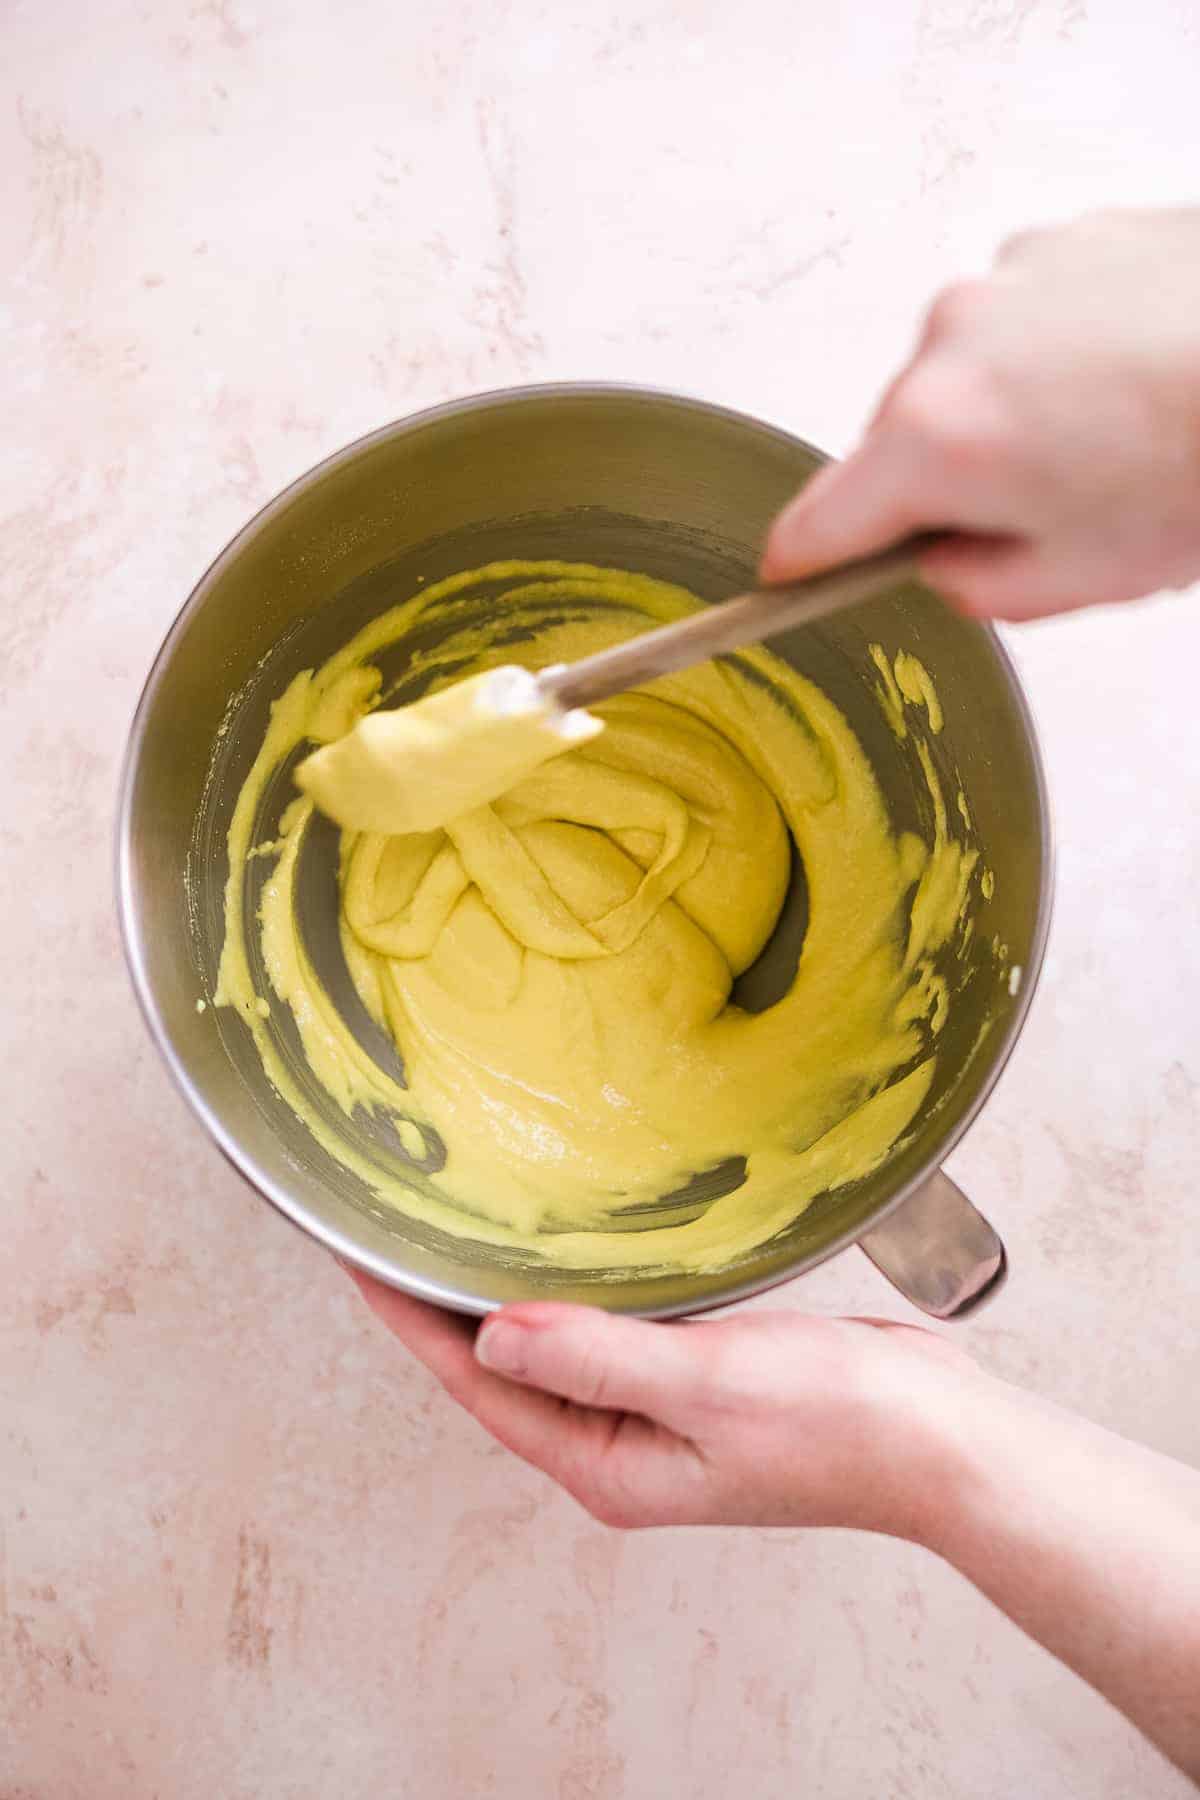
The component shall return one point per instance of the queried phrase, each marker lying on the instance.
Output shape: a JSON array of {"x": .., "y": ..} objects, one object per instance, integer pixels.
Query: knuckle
[
  {"x": 914, "y": 409},
  {"x": 956, "y": 307},
  {"x": 970, "y": 581},
  {"x": 613, "y": 1491},
  {"x": 956, "y": 585},
  {"x": 610, "y": 1506},
  {"x": 949, "y": 412}
]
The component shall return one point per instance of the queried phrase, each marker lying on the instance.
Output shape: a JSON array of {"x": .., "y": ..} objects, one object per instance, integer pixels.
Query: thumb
[
  {"x": 846, "y": 510},
  {"x": 597, "y": 1358}
]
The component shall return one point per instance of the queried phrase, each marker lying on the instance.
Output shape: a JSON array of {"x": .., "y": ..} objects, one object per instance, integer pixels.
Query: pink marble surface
[{"x": 247, "y": 1549}]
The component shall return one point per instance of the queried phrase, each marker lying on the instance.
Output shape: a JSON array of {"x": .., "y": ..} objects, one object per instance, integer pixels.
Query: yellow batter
[
  {"x": 555, "y": 968},
  {"x": 420, "y": 767}
]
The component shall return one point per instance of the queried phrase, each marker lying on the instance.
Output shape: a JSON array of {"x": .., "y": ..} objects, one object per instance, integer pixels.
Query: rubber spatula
[{"x": 418, "y": 767}]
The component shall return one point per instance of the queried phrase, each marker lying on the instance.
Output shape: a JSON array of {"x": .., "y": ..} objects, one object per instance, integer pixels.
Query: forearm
[
  {"x": 1090, "y": 1544},
  {"x": 1087, "y": 1542}
]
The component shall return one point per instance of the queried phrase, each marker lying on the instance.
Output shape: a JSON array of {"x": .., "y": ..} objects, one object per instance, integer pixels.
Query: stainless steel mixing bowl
[{"x": 641, "y": 480}]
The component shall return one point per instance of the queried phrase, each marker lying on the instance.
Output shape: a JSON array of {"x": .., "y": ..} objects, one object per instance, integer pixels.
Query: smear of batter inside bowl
[{"x": 555, "y": 969}]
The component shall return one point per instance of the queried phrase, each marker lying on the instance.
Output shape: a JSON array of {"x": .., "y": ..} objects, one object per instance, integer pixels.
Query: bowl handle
[{"x": 938, "y": 1250}]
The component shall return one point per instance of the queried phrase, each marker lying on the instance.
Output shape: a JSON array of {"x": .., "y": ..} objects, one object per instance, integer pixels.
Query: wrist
[
  {"x": 1001, "y": 1458},
  {"x": 942, "y": 1462}
]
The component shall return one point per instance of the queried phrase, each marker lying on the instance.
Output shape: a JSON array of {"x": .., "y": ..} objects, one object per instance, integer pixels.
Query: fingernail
[{"x": 500, "y": 1345}]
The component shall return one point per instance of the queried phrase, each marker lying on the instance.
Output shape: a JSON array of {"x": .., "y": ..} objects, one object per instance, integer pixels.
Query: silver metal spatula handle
[{"x": 730, "y": 625}]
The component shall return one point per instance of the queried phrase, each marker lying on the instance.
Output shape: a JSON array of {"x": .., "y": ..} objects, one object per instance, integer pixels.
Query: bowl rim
[{"x": 461, "y": 1299}]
